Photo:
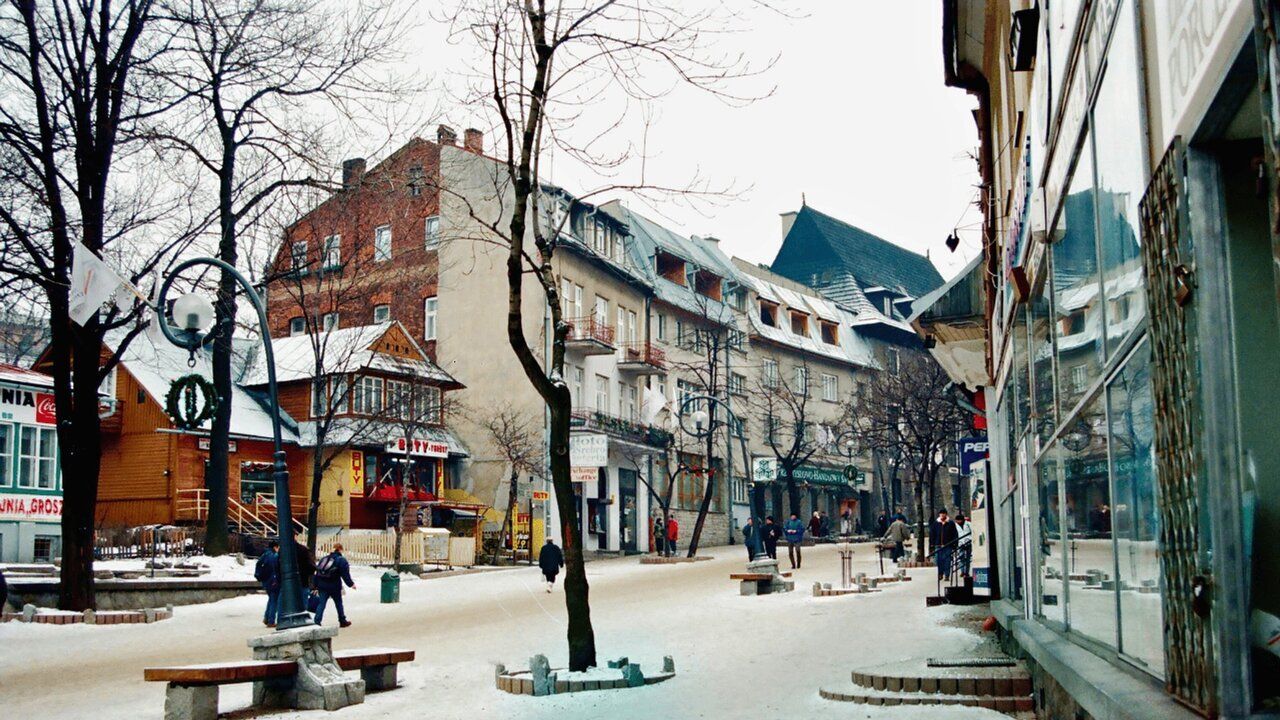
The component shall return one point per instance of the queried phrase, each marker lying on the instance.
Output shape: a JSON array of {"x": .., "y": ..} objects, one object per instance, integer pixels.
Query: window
[
  {"x": 381, "y": 313},
  {"x": 680, "y": 339},
  {"x": 736, "y": 339},
  {"x": 415, "y": 181},
  {"x": 631, "y": 326},
  {"x": 399, "y": 401},
  {"x": 366, "y": 397},
  {"x": 660, "y": 321},
  {"x": 769, "y": 313},
  {"x": 769, "y": 370},
  {"x": 432, "y": 411},
  {"x": 630, "y": 403},
  {"x": 771, "y": 425},
  {"x": 799, "y": 324},
  {"x": 37, "y": 457},
  {"x": 430, "y": 309},
  {"x": 6, "y": 454},
  {"x": 684, "y": 391},
  {"x": 888, "y": 306},
  {"x": 297, "y": 326},
  {"x": 329, "y": 321},
  {"x": 602, "y": 393},
  {"x": 1079, "y": 378},
  {"x": 339, "y": 391},
  {"x": 432, "y": 228},
  {"x": 736, "y": 426},
  {"x": 46, "y": 548},
  {"x": 893, "y": 361},
  {"x": 578, "y": 377},
  {"x": 737, "y": 383},
  {"x": 382, "y": 244},
  {"x": 298, "y": 254},
  {"x": 830, "y": 332},
  {"x": 738, "y": 299},
  {"x": 602, "y": 310},
  {"x": 802, "y": 380},
  {"x": 332, "y": 251},
  {"x": 830, "y": 387}
]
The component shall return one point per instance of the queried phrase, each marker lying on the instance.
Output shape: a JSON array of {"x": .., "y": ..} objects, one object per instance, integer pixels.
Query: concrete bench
[{"x": 192, "y": 693}]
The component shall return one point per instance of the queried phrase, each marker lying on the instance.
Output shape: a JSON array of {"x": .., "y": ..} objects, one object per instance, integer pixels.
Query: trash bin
[{"x": 390, "y": 587}]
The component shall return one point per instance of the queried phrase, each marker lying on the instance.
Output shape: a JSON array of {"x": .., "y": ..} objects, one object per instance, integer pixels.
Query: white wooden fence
[{"x": 426, "y": 546}]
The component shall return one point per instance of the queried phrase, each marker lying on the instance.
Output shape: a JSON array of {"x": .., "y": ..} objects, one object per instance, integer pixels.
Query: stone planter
[{"x": 541, "y": 679}]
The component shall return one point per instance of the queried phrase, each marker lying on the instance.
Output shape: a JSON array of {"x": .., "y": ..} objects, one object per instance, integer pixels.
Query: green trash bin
[{"x": 390, "y": 587}]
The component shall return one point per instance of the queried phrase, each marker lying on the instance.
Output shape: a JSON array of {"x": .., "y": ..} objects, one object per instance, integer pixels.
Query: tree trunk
[
  {"x": 507, "y": 522},
  {"x": 80, "y": 441},
  {"x": 217, "y": 472},
  {"x": 582, "y": 641},
  {"x": 920, "y": 516},
  {"x": 708, "y": 492},
  {"x": 313, "y": 503},
  {"x": 793, "y": 493}
]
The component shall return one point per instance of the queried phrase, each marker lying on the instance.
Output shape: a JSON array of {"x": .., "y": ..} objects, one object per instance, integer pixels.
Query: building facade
[
  {"x": 1127, "y": 353},
  {"x": 30, "y": 478}
]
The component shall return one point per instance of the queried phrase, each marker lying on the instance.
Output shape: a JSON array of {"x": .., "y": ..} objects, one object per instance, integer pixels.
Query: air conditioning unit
[{"x": 1022, "y": 39}]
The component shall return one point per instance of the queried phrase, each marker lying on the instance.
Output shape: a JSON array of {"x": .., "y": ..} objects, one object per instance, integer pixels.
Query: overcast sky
[{"x": 859, "y": 123}]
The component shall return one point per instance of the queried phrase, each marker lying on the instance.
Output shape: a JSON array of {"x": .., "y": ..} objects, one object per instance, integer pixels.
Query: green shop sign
[{"x": 766, "y": 470}]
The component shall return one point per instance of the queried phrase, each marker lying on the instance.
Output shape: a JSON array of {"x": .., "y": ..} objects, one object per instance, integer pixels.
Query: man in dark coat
[
  {"x": 331, "y": 572},
  {"x": 550, "y": 559},
  {"x": 267, "y": 573},
  {"x": 749, "y": 539},
  {"x": 771, "y": 533},
  {"x": 946, "y": 535},
  {"x": 882, "y": 525}
]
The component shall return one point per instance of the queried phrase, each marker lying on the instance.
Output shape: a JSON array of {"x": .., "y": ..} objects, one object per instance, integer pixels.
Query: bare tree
[
  {"x": 546, "y": 63},
  {"x": 73, "y": 101},
  {"x": 782, "y": 406},
  {"x": 260, "y": 80},
  {"x": 515, "y": 437},
  {"x": 910, "y": 412}
]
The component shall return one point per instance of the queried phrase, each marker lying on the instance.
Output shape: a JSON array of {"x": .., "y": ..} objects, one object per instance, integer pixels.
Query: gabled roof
[
  {"x": 818, "y": 243},
  {"x": 852, "y": 348},
  {"x": 155, "y": 364},
  {"x": 345, "y": 350}
]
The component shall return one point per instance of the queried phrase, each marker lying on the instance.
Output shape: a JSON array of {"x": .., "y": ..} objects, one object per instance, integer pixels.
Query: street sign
[{"x": 541, "y": 495}]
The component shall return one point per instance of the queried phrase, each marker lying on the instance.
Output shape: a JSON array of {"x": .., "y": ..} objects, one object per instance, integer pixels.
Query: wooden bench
[
  {"x": 192, "y": 693},
  {"x": 755, "y": 583}
]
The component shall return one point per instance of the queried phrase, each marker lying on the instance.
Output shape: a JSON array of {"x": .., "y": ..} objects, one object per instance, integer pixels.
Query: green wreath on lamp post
[{"x": 183, "y": 405}]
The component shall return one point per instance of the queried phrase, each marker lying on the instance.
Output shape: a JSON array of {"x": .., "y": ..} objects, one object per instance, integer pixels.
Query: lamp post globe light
[
  {"x": 195, "y": 315},
  {"x": 703, "y": 426}
]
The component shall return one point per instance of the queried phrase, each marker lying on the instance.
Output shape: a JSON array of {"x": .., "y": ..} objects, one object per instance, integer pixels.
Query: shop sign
[
  {"x": 26, "y": 406},
  {"x": 30, "y": 507},
  {"x": 764, "y": 469},
  {"x": 972, "y": 450},
  {"x": 205, "y": 443},
  {"x": 425, "y": 448},
  {"x": 1196, "y": 42},
  {"x": 584, "y": 474},
  {"x": 588, "y": 449},
  {"x": 815, "y": 475},
  {"x": 541, "y": 495},
  {"x": 356, "y": 486}
]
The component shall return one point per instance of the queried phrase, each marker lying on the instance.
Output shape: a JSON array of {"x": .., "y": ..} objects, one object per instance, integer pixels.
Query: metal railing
[
  {"x": 590, "y": 328},
  {"x": 643, "y": 352},
  {"x": 260, "y": 519},
  {"x": 953, "y": 566},
  {"x": 633, "y": 430}
]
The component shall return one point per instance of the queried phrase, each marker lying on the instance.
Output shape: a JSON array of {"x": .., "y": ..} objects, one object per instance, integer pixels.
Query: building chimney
[
  {"x": 712, "y": 239},
  {"x": 352, "y": 172},
  {"x": 473, "y": 141},
  {"x": 446, "y": 136},
  {"x": 788, "y": 219}
]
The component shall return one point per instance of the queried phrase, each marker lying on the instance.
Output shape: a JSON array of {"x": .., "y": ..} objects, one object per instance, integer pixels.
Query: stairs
[{"x": 996, "y": 683}]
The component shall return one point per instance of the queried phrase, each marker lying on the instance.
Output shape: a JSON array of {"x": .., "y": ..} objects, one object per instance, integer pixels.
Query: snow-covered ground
[{"x": 735, "y": 656}]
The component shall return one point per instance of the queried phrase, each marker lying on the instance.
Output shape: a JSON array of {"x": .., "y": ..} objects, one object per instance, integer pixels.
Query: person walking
[
  {"x": 897, "y": 535},
  {"x": 815, "y": 525},
  {"x": 964, "y": 543},
  {"x": 749, "y": 539},
  {"x": 331, "y": 572},
  {"x": 267, "y": 573},
  {"x": 846, "y": 522},
  {"x": 794, "y": 530},
  {"x": 771, "y": 534},
  {"x": 882, "y": 525},
  {"x": 824, "y": 524},
  {"x": 550, "y": 559},
  {"x": 944, "y": 549},
  {"x": 673, "y": 534},
  {"x": 658, "y": 538}
]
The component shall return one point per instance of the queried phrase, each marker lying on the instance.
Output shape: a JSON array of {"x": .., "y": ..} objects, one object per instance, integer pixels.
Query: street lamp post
[
  {"x": 704, "y": 426},
  {"x": 194, "y": 314}
]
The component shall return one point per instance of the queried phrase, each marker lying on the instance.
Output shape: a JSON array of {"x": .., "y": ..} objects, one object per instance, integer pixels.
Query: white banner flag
[
  {"x": 653, "y": 403},
  {"x": 93, "y": 282}
]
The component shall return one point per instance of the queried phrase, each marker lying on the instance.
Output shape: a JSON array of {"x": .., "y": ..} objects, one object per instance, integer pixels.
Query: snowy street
[{"x": 735, "y": 656}]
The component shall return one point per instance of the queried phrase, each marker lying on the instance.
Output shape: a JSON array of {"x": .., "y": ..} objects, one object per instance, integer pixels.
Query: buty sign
[{"x": 425, "y": 448}]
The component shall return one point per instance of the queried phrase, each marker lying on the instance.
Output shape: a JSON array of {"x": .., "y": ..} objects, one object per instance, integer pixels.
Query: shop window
[
  {"x": 1135, "y": 518},
  {"x": 1079, "y": 341},
  {"x": 6, "y": 454},
  {"x": 46, "y": 548},
  {"x": 297, "y": 326},
  {"x": 1042, "y": 378},
  {"x": 1049, "y": 550},
  {"x": 382, "y": 244},
  {"x": 37, "y": 457},
  {"x": 256, "y": 482},
  {"x": 1090, "y": 555}
]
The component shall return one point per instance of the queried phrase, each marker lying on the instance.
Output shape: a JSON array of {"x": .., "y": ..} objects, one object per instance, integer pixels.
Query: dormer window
[
  {"x": 888, "y": 306},
  {"x": 799, "y": 323},
  {"x": 830, "y": 332},
  {"x": 670, "y": 267},
  {"x": 708, "y": 285},
  {"x": 769, "y": 313}
]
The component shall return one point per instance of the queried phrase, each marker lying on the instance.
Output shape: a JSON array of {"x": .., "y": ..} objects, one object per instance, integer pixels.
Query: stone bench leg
[
  {"x": 379, "y": 677},
  {"x": 191, "y": 702}
]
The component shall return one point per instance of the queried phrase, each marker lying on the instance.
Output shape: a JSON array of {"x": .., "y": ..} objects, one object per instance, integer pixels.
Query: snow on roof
[
  {"x": 365, "y": 431},
  {"x": 852, "y": 348},
  {"x": 24, "y": 376},
  {"x": 345, "y": 350},
  {"x": 155, "y": 364}
]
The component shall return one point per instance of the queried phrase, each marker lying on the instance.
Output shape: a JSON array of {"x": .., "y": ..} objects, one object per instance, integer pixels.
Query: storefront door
[{"x": 630, "y": 513}]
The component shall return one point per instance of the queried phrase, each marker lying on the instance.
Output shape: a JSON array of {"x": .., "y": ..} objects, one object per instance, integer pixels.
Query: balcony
[
  {"x": 589, "y": 336},
  {"x": 642, "y": 358},
  {"x": 631, "y": 431}
]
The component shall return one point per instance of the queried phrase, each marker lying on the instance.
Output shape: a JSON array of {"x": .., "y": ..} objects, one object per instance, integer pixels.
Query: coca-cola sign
[{"x": 26, "y": 405}]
